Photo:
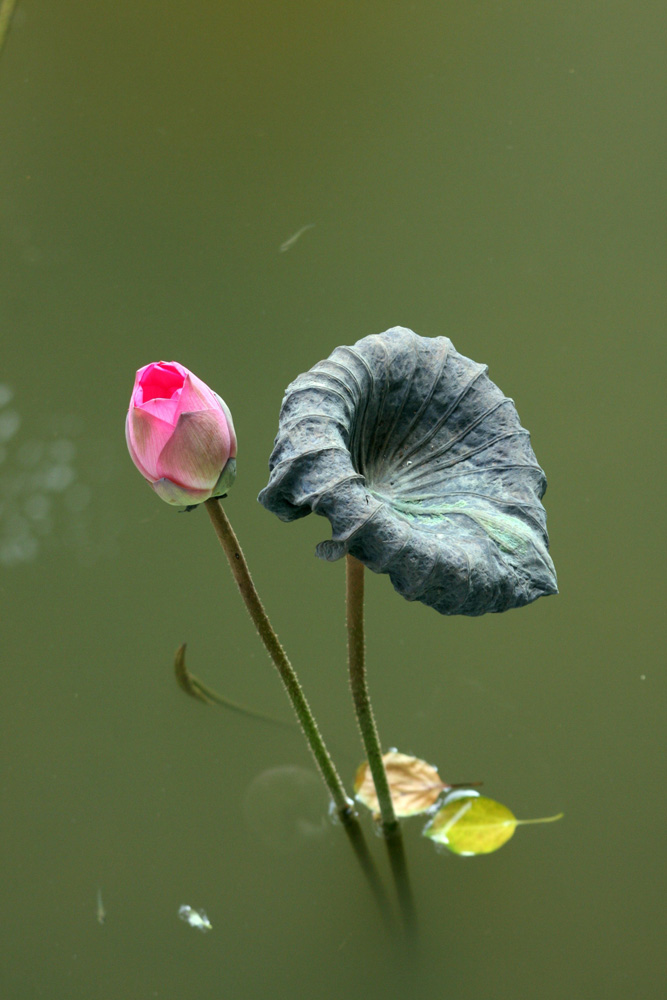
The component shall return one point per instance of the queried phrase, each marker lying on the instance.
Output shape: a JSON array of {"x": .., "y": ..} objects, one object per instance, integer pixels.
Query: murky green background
[{"x": 492, "y": 171}]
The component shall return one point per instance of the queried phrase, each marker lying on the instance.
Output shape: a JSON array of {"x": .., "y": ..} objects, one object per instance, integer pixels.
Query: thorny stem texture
[
  {"x": 369, "y": 734},
  {"x": 241, "y": 573},
  {"x": 362, "y": 702}
]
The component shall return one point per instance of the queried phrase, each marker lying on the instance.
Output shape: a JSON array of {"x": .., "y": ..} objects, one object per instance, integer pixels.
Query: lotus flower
[
  {"x": 421, "y": 465},
  {"x": 180, "y": 435}
]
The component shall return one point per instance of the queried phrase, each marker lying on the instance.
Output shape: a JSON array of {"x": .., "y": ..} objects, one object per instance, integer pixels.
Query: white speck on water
[
  {"x": 291, "y": 240},
  {"x": 196, "y": 918}
]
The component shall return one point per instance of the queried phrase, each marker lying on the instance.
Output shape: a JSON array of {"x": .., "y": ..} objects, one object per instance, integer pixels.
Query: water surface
[{"x": 492, "y": 172}]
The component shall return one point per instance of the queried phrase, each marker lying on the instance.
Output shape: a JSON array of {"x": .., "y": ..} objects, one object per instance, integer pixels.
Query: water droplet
[
  {"x": 30, "y": 454},
  {"x": 10, "y": 422},
  {"x": 62, "y": 452},
  {"x": 18, "y": 550},
  {"x": 58, "y": 478},
  {"x": 37, "y": 506},
  {"x": 286, "y": 807}
]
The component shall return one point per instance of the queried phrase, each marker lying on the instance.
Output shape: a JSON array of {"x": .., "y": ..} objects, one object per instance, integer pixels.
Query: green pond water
[{"x": 489, "y": 171}]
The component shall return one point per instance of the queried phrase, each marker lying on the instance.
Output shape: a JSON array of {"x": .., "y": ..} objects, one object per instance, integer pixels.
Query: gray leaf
[{"x": 421, "y": 465}]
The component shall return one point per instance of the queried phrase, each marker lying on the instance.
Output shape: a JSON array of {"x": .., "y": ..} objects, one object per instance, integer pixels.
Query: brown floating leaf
[{"x": 414, "y": 785}]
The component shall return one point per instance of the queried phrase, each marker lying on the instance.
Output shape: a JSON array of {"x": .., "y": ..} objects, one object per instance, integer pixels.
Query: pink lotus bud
[{"x": 180, "y": 435}]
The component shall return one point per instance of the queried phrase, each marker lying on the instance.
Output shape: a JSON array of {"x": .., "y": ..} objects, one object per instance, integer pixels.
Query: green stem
[
  {"x": 6, "y": 11},
  {"x": 542, "y": 819},
  {"x": 362, "y": 702},
  {"x": 369, "y": 734},
  {"x": 241, "y": 573}
]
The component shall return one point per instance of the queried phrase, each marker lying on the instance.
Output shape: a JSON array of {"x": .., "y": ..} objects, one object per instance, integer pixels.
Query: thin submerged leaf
[
  {"x": 471, "y": 824},
  {"x": 187, "y": 681},
  {"x": 414, "y": 785},
  {"x": 196, "y": 689}
]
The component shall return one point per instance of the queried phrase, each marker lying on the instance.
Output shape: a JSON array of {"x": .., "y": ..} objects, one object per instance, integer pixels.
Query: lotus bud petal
[{"x": 180, "y": 435}]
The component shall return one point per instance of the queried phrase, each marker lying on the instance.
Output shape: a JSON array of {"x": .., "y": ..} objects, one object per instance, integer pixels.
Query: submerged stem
[
  {"x": 355, "y": 835},
  {"x": 362, "y": 702},
  {"x": 399, "y": 868},
  {"x": 241, "y": 573}
]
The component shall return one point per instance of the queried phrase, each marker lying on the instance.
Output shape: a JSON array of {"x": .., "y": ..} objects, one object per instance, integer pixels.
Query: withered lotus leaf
[{"x": 421, "y": 465}]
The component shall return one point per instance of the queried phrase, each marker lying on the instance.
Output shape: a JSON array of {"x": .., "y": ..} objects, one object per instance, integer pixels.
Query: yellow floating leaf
[
  {"x": 414, "y": 784},
  {"x": 472, "y": 824}
]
